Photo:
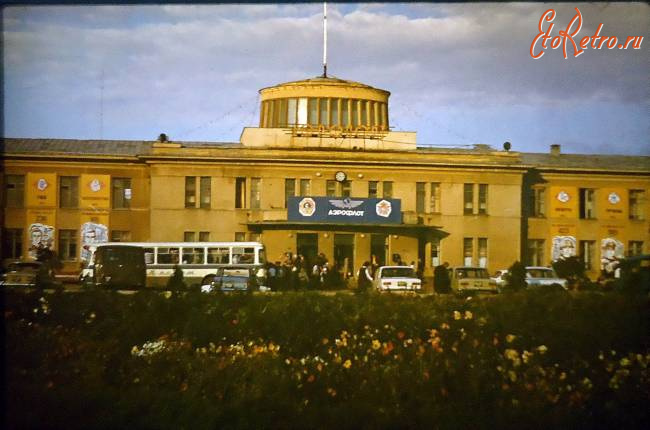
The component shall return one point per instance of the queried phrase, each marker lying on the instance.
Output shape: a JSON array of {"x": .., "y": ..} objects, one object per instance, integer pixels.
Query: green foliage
[
  {"x": 516, "y": 277},
  {"x": 570, "y": 268},
  {"x": 156, "y": 360}
]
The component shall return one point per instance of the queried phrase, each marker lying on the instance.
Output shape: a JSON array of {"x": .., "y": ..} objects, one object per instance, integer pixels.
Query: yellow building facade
[{"x": 326, "y": 141}]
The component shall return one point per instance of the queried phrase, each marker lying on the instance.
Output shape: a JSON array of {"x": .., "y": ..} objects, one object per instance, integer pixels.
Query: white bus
[{"x": 199, "y": 261}]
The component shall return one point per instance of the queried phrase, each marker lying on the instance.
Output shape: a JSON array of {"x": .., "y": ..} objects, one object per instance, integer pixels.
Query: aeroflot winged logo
[{"x": 345, "y": 207}]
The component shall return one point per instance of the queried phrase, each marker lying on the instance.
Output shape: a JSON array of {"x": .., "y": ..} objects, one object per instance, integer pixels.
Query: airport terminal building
[{"x": 324, "y": 173}]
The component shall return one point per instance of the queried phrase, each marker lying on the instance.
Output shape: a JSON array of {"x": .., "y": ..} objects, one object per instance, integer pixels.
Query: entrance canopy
[{"x": 411, "y": 230}]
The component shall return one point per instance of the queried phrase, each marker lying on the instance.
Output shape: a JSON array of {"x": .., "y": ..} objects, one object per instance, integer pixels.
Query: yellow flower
[
  {"x": 625, "y": 362},
  {"x": 542, "y": 349},
  {"x": 510, "y": 338},
  {"x": 468, "y": 315},
  {"x": 167, "y": 294},
  {"x": 347, "y": 364},
  {"x": 376, "y": 344},
  {"x": 457, "y": 315}
]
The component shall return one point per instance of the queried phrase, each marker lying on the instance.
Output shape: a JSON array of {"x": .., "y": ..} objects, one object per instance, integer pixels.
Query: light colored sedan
[
  {"x": 28, "y": 274},
  {"x": 472, "y": 280},
  {"x": 543, "y": 276},
  {"x": 397, "y": 278}
]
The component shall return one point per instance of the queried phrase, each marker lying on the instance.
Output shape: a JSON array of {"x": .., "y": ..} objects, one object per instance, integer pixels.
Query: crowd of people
[{"x": 293, "y": 272}]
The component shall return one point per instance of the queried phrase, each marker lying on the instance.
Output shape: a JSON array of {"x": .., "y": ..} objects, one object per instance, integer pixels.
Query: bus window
[
  {"x": 262, "y": 256},
  {"x": 243, "y": 255},
  {"x": 148, "y": 255},
  {"x": 193, "y": 255},
  {"x": 218, "y": 256},
  {"x": 168, "y": 255}
]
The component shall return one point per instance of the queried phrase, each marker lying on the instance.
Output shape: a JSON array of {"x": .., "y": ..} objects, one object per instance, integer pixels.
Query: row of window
[
  {"x": 324, "y": 111},
  {"x": 587, "y": 203},
  {"x": 68, "y": 240},
  {"x": 14, "y": 195},
  {"x": 586, "y": 251}
]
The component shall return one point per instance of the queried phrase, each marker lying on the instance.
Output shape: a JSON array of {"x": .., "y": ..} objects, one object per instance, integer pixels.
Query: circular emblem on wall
[
  {"x": 613, "y": 198},
  {"x": 384, "y": 208},
  {"x": 307, "y": 206},
  {"x": 95, "y": 185},
  {"x": 340, "y": 176},
  {"x": 41, "y": 184},
  {"x": 563, "y": 196}
]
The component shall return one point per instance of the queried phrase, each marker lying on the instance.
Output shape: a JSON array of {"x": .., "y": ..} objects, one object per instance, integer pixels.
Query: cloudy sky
[{"x": 458, "y": 74}]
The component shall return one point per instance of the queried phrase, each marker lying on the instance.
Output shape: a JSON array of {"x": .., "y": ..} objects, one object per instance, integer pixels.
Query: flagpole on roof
[{"x": 324, "y": 39}]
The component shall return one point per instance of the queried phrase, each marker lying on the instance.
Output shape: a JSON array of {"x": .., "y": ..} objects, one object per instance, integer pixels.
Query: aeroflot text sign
[{"x": 347, "y": 210}]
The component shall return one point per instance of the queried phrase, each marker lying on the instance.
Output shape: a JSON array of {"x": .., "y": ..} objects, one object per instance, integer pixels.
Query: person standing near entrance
[
  {"x": 441, "y": 280},
  {"x": 364, "y": 279}
]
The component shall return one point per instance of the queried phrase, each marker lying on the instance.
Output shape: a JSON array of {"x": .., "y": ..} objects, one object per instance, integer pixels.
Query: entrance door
[
  {"x": 378, "y": 247},
  {"x": 307, "y": 246},
  {"x": 344, "y": 253}
]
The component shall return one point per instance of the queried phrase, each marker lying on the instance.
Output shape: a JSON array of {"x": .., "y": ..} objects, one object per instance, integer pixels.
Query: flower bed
[{"x": 105, "y": 360}]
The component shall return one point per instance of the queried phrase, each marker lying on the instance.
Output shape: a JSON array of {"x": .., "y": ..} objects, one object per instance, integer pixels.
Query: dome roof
[{"x": 326, "y": 80}]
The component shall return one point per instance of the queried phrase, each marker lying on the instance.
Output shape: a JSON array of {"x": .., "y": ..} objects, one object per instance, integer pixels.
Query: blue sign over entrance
[{"x": 348, "y": 210}]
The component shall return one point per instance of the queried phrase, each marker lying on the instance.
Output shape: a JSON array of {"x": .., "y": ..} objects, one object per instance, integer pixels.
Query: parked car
[
  {"x": 231, "y": 279},
  {"x": 28, "y": 274},
  {"x": 543, "y": 277},
  {"x": 467, "y": 279},
  {"x": 396, "y": 278}
]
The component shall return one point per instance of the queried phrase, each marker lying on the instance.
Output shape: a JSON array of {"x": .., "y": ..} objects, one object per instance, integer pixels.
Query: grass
[{"x": 149, "y": 360}]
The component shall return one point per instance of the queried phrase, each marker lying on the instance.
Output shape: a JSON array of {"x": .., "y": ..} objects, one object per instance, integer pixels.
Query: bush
[
  {"x": 571, "y": 269},
  {"x": 176, "y": 281},
  {"x": 159, "y": 360},
  {"x": 516, "y": 277}
]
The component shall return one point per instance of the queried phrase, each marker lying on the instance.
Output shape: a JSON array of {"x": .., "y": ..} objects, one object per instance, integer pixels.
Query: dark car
[
  {"x": 232, "y": 279},
  {"x": 28, "y": 274}
]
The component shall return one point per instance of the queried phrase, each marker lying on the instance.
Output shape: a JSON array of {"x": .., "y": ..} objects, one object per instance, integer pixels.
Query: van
[{"x": 118, "y": 266}]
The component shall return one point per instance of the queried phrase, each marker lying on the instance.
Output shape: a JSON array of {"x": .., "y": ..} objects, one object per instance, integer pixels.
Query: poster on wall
[
  {"x": 95, "y": 191},
  {"x": 41, "y": 236},
  {"x": 613, "y": 204},
  {"x": 91, "y": 234},
  {"x": 563, "y": 247},
  {"x": 611, "y": 252},
  {"x": 564, "y": 202},
  {"x": 41, "y": 190}
]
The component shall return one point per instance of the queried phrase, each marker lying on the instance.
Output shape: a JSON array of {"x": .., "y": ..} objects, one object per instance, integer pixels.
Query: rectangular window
[
  {"x": 282, "y": 112},
  {"x": 345, "y": 112},
  {"x": 293, "y": 109},
  {"x": 587, "y": 248},
  {"x": 121, "y": 189},
  {"x": 435, "y": 253},
  {"x": 364, "y": 112},
  {"x": 190, "y": 192},
  {"x": 168, "y": 255},
  {"x": 120, "y": 236},
  {"x": 193, "y": 255},
  {"x": 323, "y": 117},
  {"x": 205, "y": 192},
  {"x": 468, "y": 251},
  {"x": 302, "y": 111},
  {"x": 482, "y": 199},
  {"x": 346, "y": 187},
  {"x": 204, "y": 236},
  {"x": 482, "y": 251},
  {"x": 388, "y": 189},
  {"x": 218, "y": 255},
  {"x": 635, "y": 247},
  {"x": 468, "y": 199},
  {"x": 255, "y": 237},
  {"x": 587, "y": 203},
  {"x": 68, "y": 245},
  {"x": 240, "y": 236},
  {"x": 354, "y": 105},
  {"x": 240, "y": 193},
  {"x": 536, "y": 252},
  {"x": 330, "y": 188},
  {"x": 313, "y": 111},
  {"x": 539, "y": 202},
  {"x": 12, "y": 243},
  {"x": 14, "y": 191},
  {"x": 289, "y": 190},
  {"x": 637, "y": 204},
  {"x": 420, "y": 196},
  {"x": 256, "y": 193},
  {"x": 69, "y": 191},
  {"x": 435, "y": 198},
  {"x": 334, "y": 108},
  {"x": 372, "y": 189},
  {"x": 305, "y": 187},
  {"x": 189, "y": 236}
]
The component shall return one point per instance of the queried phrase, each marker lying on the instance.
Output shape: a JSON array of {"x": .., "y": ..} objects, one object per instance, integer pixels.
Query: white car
[
  {"x": 397, "y": 278},
  {"x": 543, "y": 276}
]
